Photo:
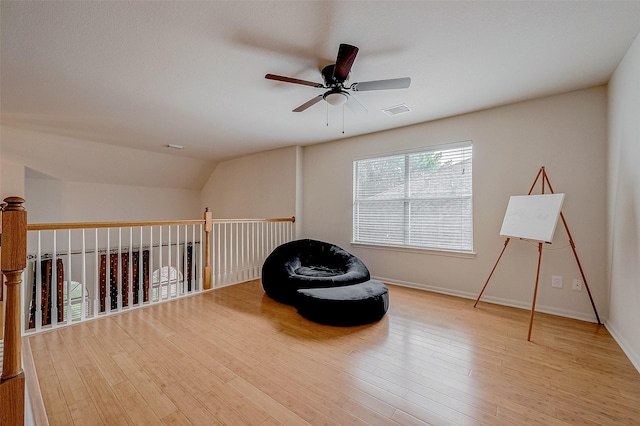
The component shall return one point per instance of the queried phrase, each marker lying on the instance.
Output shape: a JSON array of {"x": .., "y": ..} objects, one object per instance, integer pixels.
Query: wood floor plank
[
  {"x": 73, "y": 387},
  {"x": 285, "y": 397},
  {"x": 229, "y": 397},
  {"x": 177, "y": 418},
  {"x": 154, "y": 396},
  {"x": 266, "y": 403},
  {"x": 234, "y": 356},
  {"x": 135, "y": 405},
  {"x": 111, "y": 372},
  {"x": 84, "y": 412},
  {"x": 421, "y": 387},
  {"x": 56, "y": 407},
  {"x": 108, "y": 406},
  {"x": 310, "y": 394}
]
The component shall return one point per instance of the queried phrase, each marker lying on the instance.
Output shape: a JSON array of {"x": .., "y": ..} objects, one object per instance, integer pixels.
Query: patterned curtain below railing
[{"x": 107, "y": 268}]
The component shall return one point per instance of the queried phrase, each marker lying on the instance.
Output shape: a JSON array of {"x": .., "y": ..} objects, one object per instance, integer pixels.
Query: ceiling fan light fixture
[{"x": 336, "y": 98}]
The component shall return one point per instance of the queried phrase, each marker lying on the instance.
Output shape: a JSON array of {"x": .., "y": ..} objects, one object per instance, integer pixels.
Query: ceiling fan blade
[
  {"x": 355, "y": 106},
  {"x": 344, "y": 62},
  {"x": 394, "y": 83},
  {"x": 309, "y": 103},
  {"x": 292, "y": 80}
]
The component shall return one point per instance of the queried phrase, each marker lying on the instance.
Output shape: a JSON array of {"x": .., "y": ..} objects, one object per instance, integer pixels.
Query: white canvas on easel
[{"x": 532, "y": 217}]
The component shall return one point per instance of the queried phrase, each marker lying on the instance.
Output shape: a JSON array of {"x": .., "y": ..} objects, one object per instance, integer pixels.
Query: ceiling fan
[{"x": 335, "y": 77}]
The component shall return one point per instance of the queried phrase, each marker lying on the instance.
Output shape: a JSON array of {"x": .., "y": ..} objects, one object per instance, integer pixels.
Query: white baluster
[
  {"x": 53, "y": 291},
  {"x": 201, "y": 263},
  {"x": 96, "y": 281},
  {"x": 140, "y": 270},
  {"x": 217, "y": 240},
  {"x": 169, "y": 264},
  {"x": 130, "y": 271},
  {"x": 83, "y": 294},
  {"x": 107, "y": 303},
  {"x": 68, "y": 316},
  {"x": 184, "y": 288},
  {"x": 38, "y": 274},
  {"x": 118, "y": 272},
  {"x": 151, "y": 264},
  {"x": 160, "y": 263}
]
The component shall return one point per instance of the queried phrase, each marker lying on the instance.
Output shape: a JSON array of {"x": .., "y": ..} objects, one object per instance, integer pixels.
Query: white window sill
[{"x": 433, "y": 252}]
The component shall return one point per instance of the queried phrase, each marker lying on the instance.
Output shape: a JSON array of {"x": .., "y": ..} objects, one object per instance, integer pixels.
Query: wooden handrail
[
  {"x": 88, "y": 225},
  {"x": 291, "y": 219}
]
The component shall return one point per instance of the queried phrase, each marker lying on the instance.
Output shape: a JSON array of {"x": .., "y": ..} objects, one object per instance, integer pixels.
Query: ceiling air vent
[{"x": 395, "y": 110}]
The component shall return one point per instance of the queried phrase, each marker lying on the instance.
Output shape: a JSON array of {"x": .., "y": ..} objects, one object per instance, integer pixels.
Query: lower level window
[
  {"x": 420, "y": 199},
  {"x": 75, "y": 294},
  {"x": 164, "y": 283}
]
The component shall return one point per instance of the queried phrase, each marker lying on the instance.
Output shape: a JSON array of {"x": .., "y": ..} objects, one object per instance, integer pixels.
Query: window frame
[{"x": 406, "y": 199}]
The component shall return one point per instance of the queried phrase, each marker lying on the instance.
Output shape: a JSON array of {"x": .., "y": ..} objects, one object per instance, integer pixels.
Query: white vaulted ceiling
[{"x": 146, "y": 74}]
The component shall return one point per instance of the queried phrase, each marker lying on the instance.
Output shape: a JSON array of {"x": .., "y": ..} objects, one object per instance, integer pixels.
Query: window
[
  {"x": 415, "y": 199},
  {"x": 167, "y": 279},
  {"x": 76, "y": 300}
]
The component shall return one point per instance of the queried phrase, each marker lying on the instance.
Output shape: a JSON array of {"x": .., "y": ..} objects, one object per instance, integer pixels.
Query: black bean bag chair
[{"x": 309, "y": 263}]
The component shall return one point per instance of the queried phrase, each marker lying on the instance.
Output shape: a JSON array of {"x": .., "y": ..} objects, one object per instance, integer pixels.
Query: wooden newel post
[
  {"x": 208, "y": 227},
  {"x": 1, "y": 280},
  {"x": 13, "y": 262}
]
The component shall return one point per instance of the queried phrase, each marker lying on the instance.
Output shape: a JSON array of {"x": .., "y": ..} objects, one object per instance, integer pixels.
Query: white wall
[
  {"x": 565, "y": 133},
  {"x": 49, "y": 200},
  {"x": 261, "y": 185},
  {"x": 624, "y": 204}
]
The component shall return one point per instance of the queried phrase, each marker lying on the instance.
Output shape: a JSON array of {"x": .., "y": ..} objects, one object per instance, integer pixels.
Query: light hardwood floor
[{"x": 233, "y": 356}]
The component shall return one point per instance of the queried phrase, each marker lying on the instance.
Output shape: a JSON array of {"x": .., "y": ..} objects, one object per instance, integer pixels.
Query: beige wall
[
  {"x": 565, "y": 133},
  {"x": 11, "y": 179},
  {"x": 624, "y": 203},
  {"x": 79, "y": 180},
  {"x": 261, "y": 185},
  {"x": 77, "y": 160},
  {"x": 50, "y": 200}
]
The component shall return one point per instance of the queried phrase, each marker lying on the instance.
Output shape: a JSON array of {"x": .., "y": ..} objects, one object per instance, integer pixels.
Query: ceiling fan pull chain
[
  {"x": 327, "y": 113},
  {"x": 343, "y": 119}
]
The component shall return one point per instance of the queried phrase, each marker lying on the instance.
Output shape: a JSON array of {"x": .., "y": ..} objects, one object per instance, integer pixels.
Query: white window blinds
[{"x": 415, "y": 200}]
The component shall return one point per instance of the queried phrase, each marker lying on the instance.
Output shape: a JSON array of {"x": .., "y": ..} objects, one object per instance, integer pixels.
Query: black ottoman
[{"x": 355, "y": 304}]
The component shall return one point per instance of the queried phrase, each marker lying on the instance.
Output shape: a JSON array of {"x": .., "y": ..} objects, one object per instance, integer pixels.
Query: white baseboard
[
  {"x": 633, "y": 356},
  {"x": 497, "y": 300}
]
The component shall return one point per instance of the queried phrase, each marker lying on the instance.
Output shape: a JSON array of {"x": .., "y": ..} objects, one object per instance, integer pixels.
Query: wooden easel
[{"x": 542, "y": 175}]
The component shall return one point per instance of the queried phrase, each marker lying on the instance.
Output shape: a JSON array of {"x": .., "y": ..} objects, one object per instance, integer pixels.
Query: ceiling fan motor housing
[{"x": 329, "y": 79}]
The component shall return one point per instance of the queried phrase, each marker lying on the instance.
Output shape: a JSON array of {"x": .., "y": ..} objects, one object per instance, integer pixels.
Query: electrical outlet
[
  {"x": 556, "y": 281},
  {"x": 577, "y": 285}
]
